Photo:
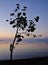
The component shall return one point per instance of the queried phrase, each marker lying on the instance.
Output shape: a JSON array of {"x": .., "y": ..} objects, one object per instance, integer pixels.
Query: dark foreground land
[{"x": 30, "y": 61}]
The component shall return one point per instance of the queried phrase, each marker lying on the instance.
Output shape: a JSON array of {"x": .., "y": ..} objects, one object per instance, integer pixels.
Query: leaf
[
  {"x": 25, "y": 17},
  {"x": 7, "y": 20},
  {"x": 34, "y": 35},
  {"x": 16, "y": 43},
  {"x": 22, "y": 36},
  {"x": 32, "y": 29},
  {"x": 17, "y": 7},
  {"x": 18, "y": 4},
  {"x": 14, "y": 26},
  {"x": 18, "y": 36},
  {"x": 22, "y": 28},
  {"x": 11, "y": 22},
  {"x": 19, "y": 14},
  {"x": 14, "y": 20},
  {"x": 10, "y": 18},
  {"x": 11, "y": 14},
  {"x": 15, "y": 10},
  {"x": 25, "y": 7},
  {"x": 40, "y": 35},
  {"x": 19, "y": 40},
  {"x": 28, "y": 34},
  {"x": 37, "y": 18},
  {"x": 28, "y": 30},
  {"x": 24, "y": 13}
]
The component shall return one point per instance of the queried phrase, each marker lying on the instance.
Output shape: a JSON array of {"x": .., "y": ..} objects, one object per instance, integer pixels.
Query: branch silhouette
[{"x": 19, "y": 21}]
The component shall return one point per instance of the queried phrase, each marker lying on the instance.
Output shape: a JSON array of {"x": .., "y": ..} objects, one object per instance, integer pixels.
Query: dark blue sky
[{"x": 35, "y": 7}]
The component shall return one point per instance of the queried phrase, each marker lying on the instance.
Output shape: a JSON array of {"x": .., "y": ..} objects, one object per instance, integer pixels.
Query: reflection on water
[{"x": 23, "y": 50}]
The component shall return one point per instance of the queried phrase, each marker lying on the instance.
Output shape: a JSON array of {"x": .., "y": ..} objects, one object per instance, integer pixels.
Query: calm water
[{"x": 27, "y": 49}]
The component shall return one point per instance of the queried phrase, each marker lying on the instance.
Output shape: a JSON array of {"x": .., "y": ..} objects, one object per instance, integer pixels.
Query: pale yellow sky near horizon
[{"x": 11, "y": 35}]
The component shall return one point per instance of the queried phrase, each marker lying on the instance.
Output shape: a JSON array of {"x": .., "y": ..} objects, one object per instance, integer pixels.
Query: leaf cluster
[{"x": 19, "y": 20}]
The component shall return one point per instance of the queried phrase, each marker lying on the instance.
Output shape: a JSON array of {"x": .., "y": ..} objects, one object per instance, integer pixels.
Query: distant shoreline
[{"x": 28, "y": 40}]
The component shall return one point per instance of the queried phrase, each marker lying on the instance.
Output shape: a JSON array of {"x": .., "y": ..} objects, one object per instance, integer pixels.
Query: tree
[{"x": 19, "y": 21}]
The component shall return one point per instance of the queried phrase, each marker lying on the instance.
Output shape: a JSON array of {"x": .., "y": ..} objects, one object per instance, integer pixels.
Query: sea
[{"x": 28, "y": 48}]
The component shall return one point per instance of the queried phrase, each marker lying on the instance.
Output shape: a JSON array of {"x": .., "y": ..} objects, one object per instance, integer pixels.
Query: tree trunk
[
  {"x": 12, "y": 45},
  {"x": 15, "y": 37},
  {"x": 11, "y": 52}
]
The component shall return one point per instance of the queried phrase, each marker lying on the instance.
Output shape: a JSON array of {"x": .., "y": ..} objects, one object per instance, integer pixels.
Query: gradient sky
[{"x": 35, "y": 8}]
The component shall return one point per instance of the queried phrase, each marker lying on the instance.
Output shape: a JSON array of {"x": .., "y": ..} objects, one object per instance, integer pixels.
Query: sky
[{"x": 34, "y": 8}]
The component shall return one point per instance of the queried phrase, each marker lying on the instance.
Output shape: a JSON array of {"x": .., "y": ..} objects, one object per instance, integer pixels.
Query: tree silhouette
[{"x": 19, "y": 21}]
